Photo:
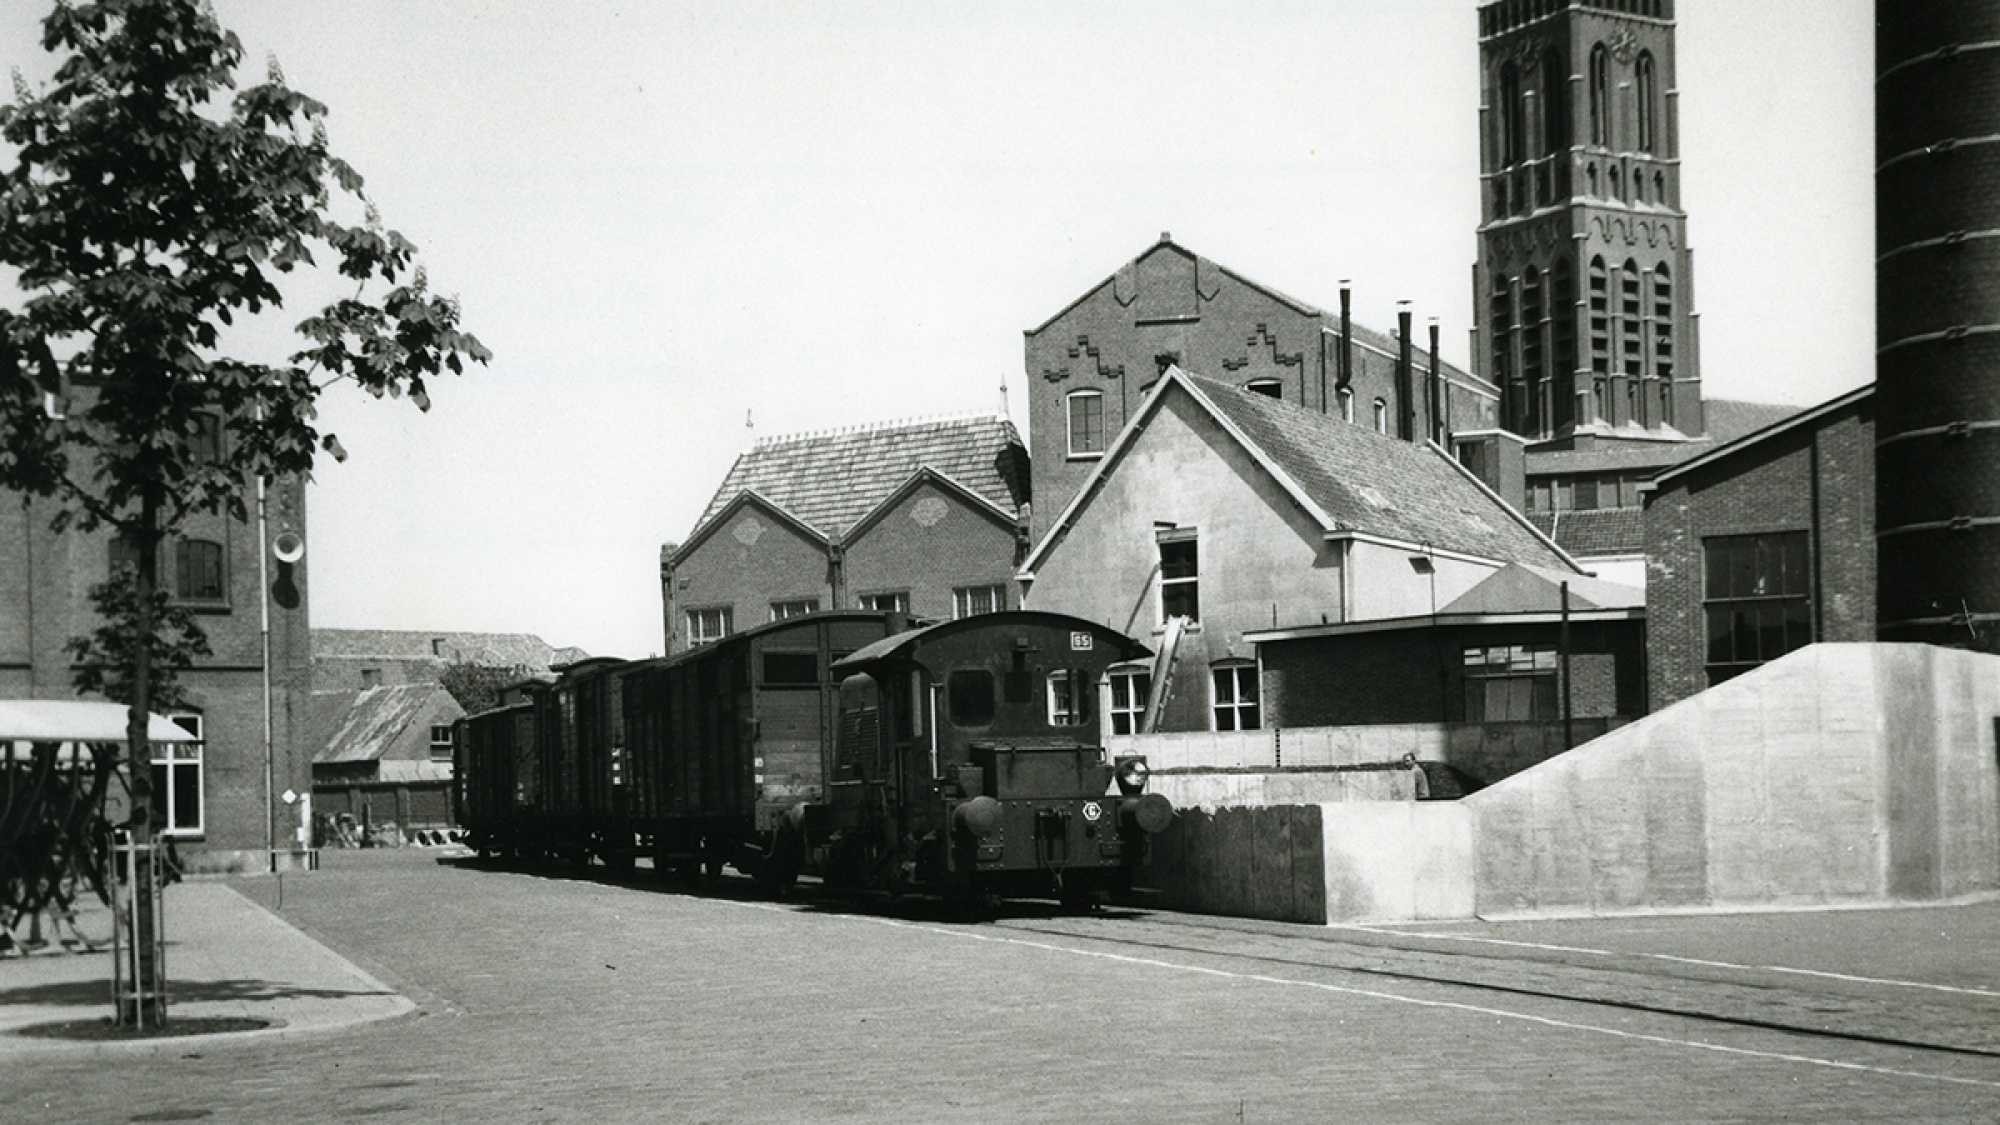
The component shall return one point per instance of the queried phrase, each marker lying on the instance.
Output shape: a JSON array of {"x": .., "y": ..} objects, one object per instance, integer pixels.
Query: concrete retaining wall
[
  {"x": 1841, "y": 774},
  {"x": 1211, "y": 790},
  {"x": 1272, "y": 749}
]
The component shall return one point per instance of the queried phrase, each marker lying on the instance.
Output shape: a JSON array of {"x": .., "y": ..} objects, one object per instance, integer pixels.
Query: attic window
[
  {"x": 440, "y": 742},
  {"x": 1269, "y": 388}
]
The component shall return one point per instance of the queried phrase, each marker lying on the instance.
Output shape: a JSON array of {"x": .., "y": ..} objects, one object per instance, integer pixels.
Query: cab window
[{"x": 969, "y": 694}]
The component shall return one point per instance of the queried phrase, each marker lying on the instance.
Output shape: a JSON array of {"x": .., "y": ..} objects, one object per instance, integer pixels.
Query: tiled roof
[
  {"x": 1727, "y": 421},
  {"x": 1370, "y": 482},
  {"x": 1594, "y": 532},
  {"x": 358, "y": 726},
  {"x": 500, "y": 650},
  {"x": 831, "y": 480}
]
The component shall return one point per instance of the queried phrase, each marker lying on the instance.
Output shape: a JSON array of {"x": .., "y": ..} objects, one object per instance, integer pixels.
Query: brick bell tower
[{"x": 1583, "y": 288}]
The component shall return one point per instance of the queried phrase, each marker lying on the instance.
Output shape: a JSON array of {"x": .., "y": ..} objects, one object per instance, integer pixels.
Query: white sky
[{"x": 665, "y": 216}]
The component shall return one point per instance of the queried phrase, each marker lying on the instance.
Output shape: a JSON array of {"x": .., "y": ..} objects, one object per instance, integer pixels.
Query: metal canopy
[{"x": 75, "y": 720}]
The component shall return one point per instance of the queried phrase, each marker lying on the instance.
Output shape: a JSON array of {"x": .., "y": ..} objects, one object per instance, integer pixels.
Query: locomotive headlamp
[
  {"x": 1132, "y": 774},
  {"x": 979, "y": 817}
]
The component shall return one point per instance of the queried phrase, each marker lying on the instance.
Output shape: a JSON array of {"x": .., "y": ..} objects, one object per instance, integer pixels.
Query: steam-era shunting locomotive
[{"x": 962, "y": 758}]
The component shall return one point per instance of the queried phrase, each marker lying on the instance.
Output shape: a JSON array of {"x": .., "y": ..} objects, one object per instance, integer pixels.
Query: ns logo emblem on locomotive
[{"x": 1092, "y": 811}]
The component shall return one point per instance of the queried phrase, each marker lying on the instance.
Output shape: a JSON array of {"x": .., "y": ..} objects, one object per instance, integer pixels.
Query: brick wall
[
  {"x": 751, "y": 558},
  {"x": 1817, "y": 477},
  {"x": 930, "y": 543}
]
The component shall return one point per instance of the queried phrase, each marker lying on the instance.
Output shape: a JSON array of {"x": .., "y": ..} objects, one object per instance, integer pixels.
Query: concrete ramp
[{"x": 1842, "y": 774}]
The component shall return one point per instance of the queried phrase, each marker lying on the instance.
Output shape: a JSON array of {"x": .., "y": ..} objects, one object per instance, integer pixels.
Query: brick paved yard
[{"x": 548, "y": 999}]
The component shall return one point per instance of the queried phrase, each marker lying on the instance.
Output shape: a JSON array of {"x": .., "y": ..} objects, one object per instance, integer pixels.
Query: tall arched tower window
[
  {"x": 1631, "y": 334},
  {"x": 1502, "y": 309},
  {"x": 1649, "y": 131},
  {"x": 1555, "y": 104},
  {"x": 1555, "y": 403},
  {"x": 1534, "y": 357},
  {"x": 1600, "y": 95},
  {"x": 1600, "y": 337},
  {"x": 1663, "y": 339},
  {"x": 1512, "y": 121}
]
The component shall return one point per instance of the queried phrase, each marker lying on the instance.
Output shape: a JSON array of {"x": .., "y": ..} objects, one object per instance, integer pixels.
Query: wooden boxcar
[
  {"x": 724, "y": 741},
  {"x": 496, "y": 780}
]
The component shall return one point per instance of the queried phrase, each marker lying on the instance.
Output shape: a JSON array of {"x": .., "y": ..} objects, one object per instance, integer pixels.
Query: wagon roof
[{"x": 904, "y": 644}]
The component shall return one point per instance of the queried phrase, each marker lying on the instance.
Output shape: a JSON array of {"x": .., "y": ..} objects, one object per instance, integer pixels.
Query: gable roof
[
  {"x": 1786, "y": 424},
  {"x": 359, "y": 726},
  {"x": 1348, "y": 478},
  {"x": 831, "y": 480},
  {"x": 499, "y": 650},
  {"x": 1382, "y": 342}
]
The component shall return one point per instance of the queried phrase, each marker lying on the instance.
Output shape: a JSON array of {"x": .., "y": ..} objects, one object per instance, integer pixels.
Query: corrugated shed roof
[
  {"x": 1373, "y": 483},
  {"x": 358, "y": 726},
  {"x": 494, "y": 649},
  {"x": 1597, "y": 531},
  {"x": 831, "y": 480}
]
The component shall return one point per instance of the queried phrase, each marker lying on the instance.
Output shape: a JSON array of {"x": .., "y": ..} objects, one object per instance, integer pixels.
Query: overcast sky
[{"x": 667, "y": 217}]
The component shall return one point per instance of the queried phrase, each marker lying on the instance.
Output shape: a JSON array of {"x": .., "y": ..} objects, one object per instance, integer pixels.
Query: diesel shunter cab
[{"x": 969, "y": 760}]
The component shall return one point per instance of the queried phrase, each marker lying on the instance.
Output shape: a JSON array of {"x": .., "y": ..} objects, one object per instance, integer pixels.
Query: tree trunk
[{"x": 146, "y": 1005}]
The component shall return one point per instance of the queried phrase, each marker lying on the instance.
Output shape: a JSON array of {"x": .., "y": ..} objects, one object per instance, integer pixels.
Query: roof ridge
[{"x": 875, "y": 427}]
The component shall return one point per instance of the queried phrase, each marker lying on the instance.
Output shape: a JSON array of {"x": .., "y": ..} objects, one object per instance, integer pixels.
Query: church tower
[{"x": 1583, "y": 288}]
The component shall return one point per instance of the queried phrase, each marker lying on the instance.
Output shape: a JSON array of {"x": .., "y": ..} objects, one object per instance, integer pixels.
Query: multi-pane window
[
  {"x": 1510, "y": 683},
  {"x": 198, "y": 570},
  {"x": 892, "y": 601},
  {"x": 440, "y": 742},
  {"x": 1757, "y": 600},
  {"x": 1131, "y": 689},
  {"x": 1069, "y": 698},
  {"x": 177, "y": 797},
  {"x": 797, "y": 607},
  {"x": 1631, "y": 338},
  {"x": 705, "y": 625},
  {"x": 1086, "y": 423},
  {"x": 1235, "y": 696},
  {"x": 1180, "y": 580},
  {"x": 969, "y": 600}
]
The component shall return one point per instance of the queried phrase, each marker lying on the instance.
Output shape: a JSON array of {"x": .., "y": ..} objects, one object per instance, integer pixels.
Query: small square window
[
  {"x": 797, "y": 607},
  {"x": 896, "y": 601},
  {"x": 441, "y": 742}
]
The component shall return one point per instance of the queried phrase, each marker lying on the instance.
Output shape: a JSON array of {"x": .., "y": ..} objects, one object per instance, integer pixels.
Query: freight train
[{"x": 962, "y": 758}]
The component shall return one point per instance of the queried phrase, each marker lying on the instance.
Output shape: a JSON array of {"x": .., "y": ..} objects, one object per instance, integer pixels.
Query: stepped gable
[
  {"x": 1373, "y": 483},
  {"x": 832, "y": 479}
]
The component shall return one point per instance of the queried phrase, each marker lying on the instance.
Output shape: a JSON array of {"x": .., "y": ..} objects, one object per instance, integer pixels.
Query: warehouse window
[
  {"x": 1510, "y": 683},
  {"x": 705, "y": 625},
  {"x": 1757, "y": 592},
  {"x": 198, "y": 571},
  {"x": 1235, "y": 696},
  {"x": 1180, "y": 576},
  {"x": 797, "y": 607},
  {"x": 177, "y": 793},
  {"x": 894, "y": 601},
  {"x": 440, "y": 742},
  {"x": 969, "y": 600},
  {"x": 1346, "y": 397},
  {"x": 1086, "y": 423},
  {"x": 1131, "y": 688},
  {"x": 1381, "y": 416}
]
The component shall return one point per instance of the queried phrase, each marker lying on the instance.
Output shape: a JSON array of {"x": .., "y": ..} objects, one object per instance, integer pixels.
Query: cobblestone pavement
[{"x": 549, "y": 999}]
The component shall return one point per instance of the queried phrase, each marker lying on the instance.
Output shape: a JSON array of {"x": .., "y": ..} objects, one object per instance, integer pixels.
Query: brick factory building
[
  {"x": 213, "y": 797},
  {"x": 925, "y": 518},
  {"x": 1762, "y": 546}
]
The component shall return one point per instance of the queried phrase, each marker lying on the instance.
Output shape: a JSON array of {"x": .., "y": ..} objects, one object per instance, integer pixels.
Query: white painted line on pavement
[
  {"x": 1501, "y": 1013},
  {"x": 1890, "y": 981}
]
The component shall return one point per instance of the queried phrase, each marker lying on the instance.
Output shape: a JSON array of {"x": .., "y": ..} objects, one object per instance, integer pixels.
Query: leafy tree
[
  {"x": 476, "y": 687},
  {"x": 146, "y": 210}
]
